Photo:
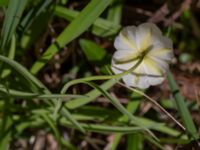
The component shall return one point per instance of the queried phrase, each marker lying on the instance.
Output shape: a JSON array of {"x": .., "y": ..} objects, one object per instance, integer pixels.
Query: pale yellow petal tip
[{"x": 146, "y": 43}]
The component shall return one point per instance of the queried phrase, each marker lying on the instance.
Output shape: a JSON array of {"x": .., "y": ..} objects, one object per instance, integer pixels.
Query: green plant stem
[{"x": 182, "y": 108}]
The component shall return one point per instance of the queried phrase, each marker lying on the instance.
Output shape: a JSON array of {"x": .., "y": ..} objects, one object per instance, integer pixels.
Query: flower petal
[
  {"x": 119, "y": 68},
  {"x": 144, "y": 42},
  {"x": 124, "y": 56},
  {"x": 136, "y": 81},
  {"x": 162, "y": 42},
  {"x": 152, "y": 77},
  {"x": 151, "y": 67},
  {"x": 161, "y": 63},
  {"x": 155, "y": 80},
  {"x": 162, "y": 53},
  {"x": 126, "y": 39},
  {"x": 145, "y": 34}
]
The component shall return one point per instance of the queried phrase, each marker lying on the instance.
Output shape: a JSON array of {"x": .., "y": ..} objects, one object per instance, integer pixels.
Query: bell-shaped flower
[{"x": 147, "y": 44}]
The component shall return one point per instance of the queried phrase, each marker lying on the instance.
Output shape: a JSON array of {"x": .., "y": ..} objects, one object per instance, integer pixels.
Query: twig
[{"x": 154, "y": 102}]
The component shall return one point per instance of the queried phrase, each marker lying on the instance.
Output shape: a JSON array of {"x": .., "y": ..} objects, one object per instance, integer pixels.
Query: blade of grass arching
[
  {"x": 26, "y": 74},
  {"x": 22, "y": 94},
  {"x": 101, "y": 77},
  {"x": 101, "y": 27},
  {"x": 85, "y": 80},
  {"x": 12, "y": 18},
  {"x": 59, "y": 105},
  {"x": 104, "y": 128},
  {"x": 87, "y": 16},
  {"x": 162, "y": 128},
  {"x": 23, "y": 71},
  {"x": 31, "y": 122},
  {"x": 93, "y": 94},
  {"x": 182, "y": 108},
  {"x": 120, "y": 107},
  {"x": 35, "y": 122},
  {"x": 11, "y": 54},
  {"x": 110, "y": 83}
]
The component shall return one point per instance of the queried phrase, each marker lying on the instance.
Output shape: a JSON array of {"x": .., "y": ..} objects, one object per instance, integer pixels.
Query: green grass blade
[
  {"x": 102, "y": 77},
  {"x": 116, "y": 141},
  {"x": 120, "y": 107},
  {"x": 23, "y": 71},
  {"x": 87, "y": 126},
  {"x": 6, "y": 125},
  {"x": 67, "y": 114},
  {"x": 5, "y": 129},
  {"x": 66, "y": 13},
  {"x": 105, "y": 128},
  {"x": 115, "y": 11},
  {"x": 33, "y": 33},
  {"x": 161, "y": 128},
  {"x": 182, "y": 108},
  {"x": 34, "y": 12},
  {"x": 87, "y": 16},
  {"x": 22, "y": 94},
  {"x": 93, "y": 94},
  {"x": 26, "y": 74},
  {"x": 13, "y": 15},
  {"x": 67, "y": 144},
  {"x": 134, "y": 142},
  {"x": 84, "y": 80},
  {"x": 101, "y": 27},
  {"x": 131, "y": 107},
  {"x": 52, "y": 125},
  {"x": 92, "y": 51}
]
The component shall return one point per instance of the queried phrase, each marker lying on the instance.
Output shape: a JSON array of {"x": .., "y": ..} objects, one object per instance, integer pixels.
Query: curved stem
[{"x": 70, "y": 83}]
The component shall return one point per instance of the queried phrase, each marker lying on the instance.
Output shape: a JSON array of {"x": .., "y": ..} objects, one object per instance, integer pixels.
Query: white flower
[{"x": 144, "y": 42}]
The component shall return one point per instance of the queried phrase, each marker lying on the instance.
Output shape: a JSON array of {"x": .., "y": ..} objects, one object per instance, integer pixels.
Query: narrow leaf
[{"x": 87, "y": 16}]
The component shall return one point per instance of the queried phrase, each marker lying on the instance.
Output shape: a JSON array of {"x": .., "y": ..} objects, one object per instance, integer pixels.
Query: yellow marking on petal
[
  {"x": 137, "y": 73},
  {"x": 128, "y": 42},
  {"x": 146, "y": 41},
  {"x": 161, "y": 51},
  {"x": 149, "y": 63}
]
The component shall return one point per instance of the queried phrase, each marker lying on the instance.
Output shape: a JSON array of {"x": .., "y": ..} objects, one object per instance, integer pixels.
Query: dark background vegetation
[{"x": 72, "y": 62}]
